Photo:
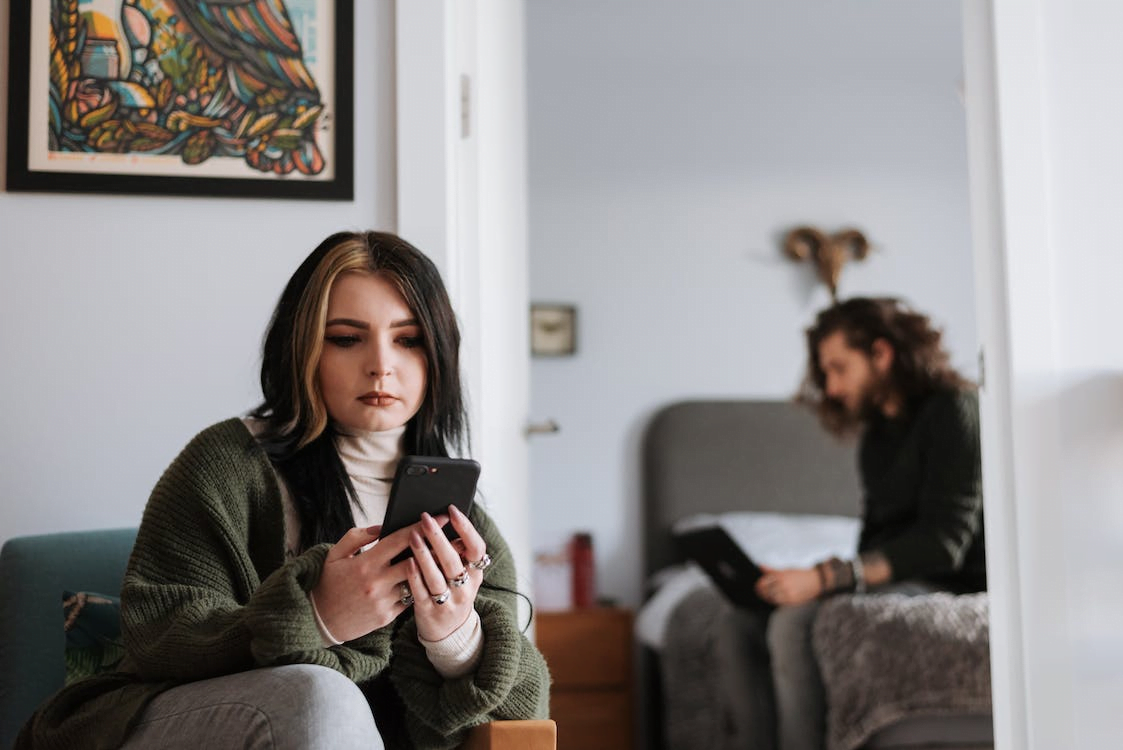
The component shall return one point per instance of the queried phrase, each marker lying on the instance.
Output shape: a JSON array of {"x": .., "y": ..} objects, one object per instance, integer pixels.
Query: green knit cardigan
[{"x": 208, "y": 592}]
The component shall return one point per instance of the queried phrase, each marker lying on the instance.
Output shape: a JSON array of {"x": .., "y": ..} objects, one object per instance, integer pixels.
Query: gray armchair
[{"x": 35, "y": 570}]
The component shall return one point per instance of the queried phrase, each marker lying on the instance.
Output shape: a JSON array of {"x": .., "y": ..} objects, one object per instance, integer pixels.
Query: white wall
[
  {"x": 670, "y": 147},
  {"x": 127, "y": 324},
  {"x": 1058, "y": 68}
]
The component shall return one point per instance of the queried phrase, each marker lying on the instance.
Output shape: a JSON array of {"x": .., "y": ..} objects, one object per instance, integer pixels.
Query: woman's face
[{"x": 372, "y": 372}]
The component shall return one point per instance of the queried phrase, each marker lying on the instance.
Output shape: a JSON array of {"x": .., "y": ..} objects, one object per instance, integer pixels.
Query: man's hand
[{"x": 786, "y": 588}]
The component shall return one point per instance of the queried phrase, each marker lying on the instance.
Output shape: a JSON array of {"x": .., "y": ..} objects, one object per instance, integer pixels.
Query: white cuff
[
  {"x": 325, "y": 634},
  {"x": 458, "y": 653}
]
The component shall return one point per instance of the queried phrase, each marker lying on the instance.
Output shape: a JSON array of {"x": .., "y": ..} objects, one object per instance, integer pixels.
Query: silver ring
[
  {"x": 442, "y": 597},
  {"x": 407, "y": 595},
  {"x": 461, "y": 579},
  {"x": 482, "y": 563}
]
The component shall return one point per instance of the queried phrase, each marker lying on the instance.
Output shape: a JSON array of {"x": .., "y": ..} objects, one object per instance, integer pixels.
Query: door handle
[{"x": 547, "y": 427}]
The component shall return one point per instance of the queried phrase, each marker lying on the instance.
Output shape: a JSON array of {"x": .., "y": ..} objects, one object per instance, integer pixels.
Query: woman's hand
[
  {"x": 359, "y": 590},
  {"x": 444, "y": 585},
  {"x": 789, "y": 587}
]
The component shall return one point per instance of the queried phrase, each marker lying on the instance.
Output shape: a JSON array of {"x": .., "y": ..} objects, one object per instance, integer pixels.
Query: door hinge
[{"x": 465, "y": 105}]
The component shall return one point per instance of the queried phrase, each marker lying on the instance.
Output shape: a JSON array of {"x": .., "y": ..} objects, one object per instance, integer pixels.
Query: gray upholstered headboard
[{"x": 715, "y": 456}]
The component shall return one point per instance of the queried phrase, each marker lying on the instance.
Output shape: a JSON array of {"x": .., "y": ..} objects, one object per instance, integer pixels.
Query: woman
[{"x": 258, "y": 582}]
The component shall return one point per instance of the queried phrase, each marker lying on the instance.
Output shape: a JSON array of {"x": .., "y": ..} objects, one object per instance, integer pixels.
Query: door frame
[
  {"x": 442, "y": 208},
  {"x": 461, "y": 162}
]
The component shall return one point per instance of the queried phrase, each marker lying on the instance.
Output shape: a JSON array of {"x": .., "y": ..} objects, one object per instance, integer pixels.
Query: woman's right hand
[{"x": 360, "y": 593}]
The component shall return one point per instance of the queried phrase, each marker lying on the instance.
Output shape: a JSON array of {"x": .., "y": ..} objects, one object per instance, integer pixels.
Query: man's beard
[{"x": 870, "y": 400}]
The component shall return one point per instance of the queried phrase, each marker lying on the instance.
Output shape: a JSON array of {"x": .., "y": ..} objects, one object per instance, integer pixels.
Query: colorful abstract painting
[{"x": 230, "y": 97}]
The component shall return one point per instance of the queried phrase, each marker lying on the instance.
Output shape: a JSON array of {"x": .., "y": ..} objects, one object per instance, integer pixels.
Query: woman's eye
[
  {"x": 410, "y": 342},
  {"x": 342, "y": 341}
]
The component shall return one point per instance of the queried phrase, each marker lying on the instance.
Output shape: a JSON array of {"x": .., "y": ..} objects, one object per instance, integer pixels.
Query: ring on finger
[
  {"x": 442, "y": 597},
  {"x": 461, "y": 579},
  {"x": 407, "y": 595},
  {"x": 482, "y": 563}
]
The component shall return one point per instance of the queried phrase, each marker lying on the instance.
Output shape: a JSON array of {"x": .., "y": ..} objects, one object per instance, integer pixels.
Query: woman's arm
[
  {"x": 511, "y": 681},
  {"x": 208, "y": 591}
]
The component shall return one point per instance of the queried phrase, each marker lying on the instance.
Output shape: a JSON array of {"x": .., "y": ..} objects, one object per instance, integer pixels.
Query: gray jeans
[
  {"x": 801, "y": 706},
  {"x": 293, "y": 707}
]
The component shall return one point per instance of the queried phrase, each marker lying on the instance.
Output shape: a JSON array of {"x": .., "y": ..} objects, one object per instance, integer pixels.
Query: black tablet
[{"x": 731, "y": 569}]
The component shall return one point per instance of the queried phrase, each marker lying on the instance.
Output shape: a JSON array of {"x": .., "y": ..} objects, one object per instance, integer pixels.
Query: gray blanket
[
  {"x": 716, "y": 681},
  {"x": 939, "y": 662},
  {"x": 716, "y": 684}
]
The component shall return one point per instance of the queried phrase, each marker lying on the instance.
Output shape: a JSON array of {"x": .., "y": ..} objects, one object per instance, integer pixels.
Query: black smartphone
[{"x": 429, "y": 484}]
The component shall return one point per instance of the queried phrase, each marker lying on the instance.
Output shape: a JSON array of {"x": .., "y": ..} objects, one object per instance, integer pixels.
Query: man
[{"x": 879, "y": 369}]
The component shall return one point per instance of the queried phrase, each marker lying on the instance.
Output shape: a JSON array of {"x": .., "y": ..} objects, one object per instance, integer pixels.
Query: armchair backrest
[{"x": 34, "y": 571}]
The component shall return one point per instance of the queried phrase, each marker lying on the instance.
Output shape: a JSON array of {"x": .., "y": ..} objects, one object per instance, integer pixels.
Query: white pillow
[
  {"x": 673, "y": 585},
  {"x": 782, "y": 540}
]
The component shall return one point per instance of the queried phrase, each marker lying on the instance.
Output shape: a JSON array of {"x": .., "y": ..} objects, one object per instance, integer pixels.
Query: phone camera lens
[{"x": 416, "y": 471}]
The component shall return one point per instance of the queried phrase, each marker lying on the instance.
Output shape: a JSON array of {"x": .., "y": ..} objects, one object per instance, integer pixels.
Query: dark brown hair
[{"x": 920, "y": 362}]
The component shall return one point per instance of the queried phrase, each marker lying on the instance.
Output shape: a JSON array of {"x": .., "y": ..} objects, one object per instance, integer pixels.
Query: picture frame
[
  {"x": 553, "y": 330},
  {"x": 249, "y": 99}
]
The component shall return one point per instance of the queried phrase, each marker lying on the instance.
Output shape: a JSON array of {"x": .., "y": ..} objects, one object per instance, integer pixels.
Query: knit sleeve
[
  {"x": 950, "y": 502},
  {"x": 207, "y": 590},
  {"x": 511, "y": 681}
]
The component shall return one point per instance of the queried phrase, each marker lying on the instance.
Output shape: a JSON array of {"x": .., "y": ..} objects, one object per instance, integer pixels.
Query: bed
[{"x": 706, "y": 680}]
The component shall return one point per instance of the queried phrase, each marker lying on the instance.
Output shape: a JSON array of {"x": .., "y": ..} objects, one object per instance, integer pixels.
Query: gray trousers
[
  {"x": 801, "y": 705},
  {"x": 293, "y": 707}
]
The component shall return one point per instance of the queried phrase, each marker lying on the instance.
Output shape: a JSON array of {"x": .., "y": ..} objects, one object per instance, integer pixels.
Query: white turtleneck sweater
[{"x": 370, "y": 460}]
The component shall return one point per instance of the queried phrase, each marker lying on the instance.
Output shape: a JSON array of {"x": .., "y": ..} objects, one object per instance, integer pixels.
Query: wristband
[
  {"x": 859, "y": 574},
  {"x": 836, "y": 575},
  {"x": 821, "y": 571}
]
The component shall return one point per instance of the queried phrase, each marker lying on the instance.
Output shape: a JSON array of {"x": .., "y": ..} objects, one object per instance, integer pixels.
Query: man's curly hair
[{"x": 920, "y": 362}]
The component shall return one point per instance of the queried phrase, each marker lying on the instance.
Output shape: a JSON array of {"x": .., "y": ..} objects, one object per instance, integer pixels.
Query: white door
[{"x": 462, "y": 198}]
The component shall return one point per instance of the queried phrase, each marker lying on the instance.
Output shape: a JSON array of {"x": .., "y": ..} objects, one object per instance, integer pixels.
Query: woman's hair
[
  {"x": 920, "y": 363},
  {"x": 298, "y": 433}
]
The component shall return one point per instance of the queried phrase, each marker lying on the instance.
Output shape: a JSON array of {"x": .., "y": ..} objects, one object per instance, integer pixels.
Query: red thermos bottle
[{"x": 584, "y": 578}]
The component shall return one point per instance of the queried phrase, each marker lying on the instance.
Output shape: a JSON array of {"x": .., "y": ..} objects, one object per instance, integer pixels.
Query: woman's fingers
[
  {"x": 446, "y": 555},
  {"x": 391, "y": 545},
  {"x": 353, "y": 541},
  {"x": 432, "y": 570},
  {"x": 472, "y": 545}
]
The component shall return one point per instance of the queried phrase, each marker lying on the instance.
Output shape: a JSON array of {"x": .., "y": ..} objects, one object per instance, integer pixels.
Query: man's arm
[
  {"x": 799, "y": 585},
  {"x": 950, "y": 503},
  {"x": 876, "y": 570}
]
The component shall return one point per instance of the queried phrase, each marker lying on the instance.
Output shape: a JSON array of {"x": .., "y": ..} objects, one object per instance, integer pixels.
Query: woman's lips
[{"x": 377, "y": 398}]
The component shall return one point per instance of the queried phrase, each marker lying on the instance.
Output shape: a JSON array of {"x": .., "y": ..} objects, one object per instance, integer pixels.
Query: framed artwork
[
  {"x": 553, "y": 330},
  {"x": 245, "y": 98}
]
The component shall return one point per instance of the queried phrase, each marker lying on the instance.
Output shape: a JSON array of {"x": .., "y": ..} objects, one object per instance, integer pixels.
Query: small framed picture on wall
[{"x": 553, "y": 330}]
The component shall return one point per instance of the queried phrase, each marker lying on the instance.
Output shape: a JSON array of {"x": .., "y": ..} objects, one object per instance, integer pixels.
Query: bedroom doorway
[{"x": 670, "y": 149}]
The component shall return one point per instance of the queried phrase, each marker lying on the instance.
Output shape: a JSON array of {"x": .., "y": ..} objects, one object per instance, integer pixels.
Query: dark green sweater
[
  {"x": 923, "y": 508},
  {"x": 208, "y": 592}
]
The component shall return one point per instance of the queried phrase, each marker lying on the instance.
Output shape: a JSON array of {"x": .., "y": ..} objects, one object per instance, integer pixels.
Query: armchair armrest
[{"x": 540, "y": 734}]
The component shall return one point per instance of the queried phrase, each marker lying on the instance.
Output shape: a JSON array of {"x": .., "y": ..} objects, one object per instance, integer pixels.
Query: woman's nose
[{"x": 380, "y": 362}]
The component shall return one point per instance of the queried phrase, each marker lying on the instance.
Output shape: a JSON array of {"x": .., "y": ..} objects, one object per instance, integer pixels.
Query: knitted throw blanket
[
  {"x": 715, "y": 680},
  {"x": 890, "y": 657}
]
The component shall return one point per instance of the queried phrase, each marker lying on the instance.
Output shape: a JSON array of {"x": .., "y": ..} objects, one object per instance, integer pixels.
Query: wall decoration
[
  {"x": 829, "y": 252},
  {"x": 188, "y": 97},
  {"x": 553, "y": 330}
]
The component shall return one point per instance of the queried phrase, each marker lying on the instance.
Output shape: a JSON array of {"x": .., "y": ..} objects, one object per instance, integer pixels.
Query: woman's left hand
[{"x": 439, "y": 572}]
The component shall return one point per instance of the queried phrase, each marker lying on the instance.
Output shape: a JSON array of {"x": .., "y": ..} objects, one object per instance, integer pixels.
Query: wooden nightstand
[{"x": 589, "y": 652}]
